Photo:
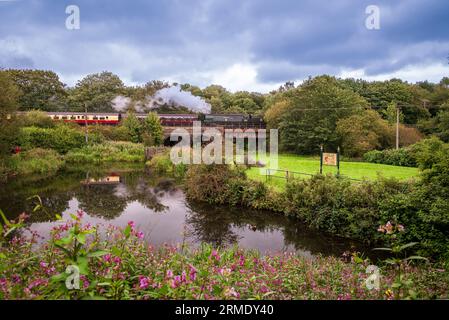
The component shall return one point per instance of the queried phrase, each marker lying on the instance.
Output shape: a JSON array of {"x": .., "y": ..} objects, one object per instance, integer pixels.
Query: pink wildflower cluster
[{"x": 390, "y": 228}]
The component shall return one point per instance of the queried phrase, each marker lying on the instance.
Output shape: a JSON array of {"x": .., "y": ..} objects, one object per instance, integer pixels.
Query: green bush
[
  {"x": 36, "y": 161},
  {"x": 114, "y": 133},
  {"x": 161, "y": 163},
  {"x": 37, "y": 118},
  {"x": 421, "y": 152},
  {"x": 223, "y": 184},
  {"x": 109, "y": 151},
  {"x": 404, "y": 157},
  {"x": 62, "y": 138}
]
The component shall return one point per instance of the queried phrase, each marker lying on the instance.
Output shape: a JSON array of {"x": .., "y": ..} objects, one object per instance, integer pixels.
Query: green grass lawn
[{"x": 311, "y": 165}]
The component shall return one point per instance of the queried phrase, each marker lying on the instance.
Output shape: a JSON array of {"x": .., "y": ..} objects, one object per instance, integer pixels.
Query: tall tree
[
  {"x": 9, "y": 95},
  {"x": 96, "y": 92},
  {"x": 40, "y": 89},
  {"x": 316, "y": 106}
]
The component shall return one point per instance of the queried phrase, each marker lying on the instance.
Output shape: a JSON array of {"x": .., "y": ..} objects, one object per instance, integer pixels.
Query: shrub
[
  {"x": 114, "y": 133},
  {"x": 161, "y": 163},
  {"x": 37, "y": 118},
  {"x": 36, "y": 161},
  {"x": 107, "y": 152},
  {"x": 152, "y": 130},
  {"x": 133, "y": 126},
  {"x": 223, "y": 184},
  {"x": 62, "y": 138},
  {"x": 404, "y": 157},
  {"x": 421, "y": 152}
]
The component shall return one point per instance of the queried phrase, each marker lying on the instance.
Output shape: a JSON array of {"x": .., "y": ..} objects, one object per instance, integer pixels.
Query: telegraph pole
[
  {"x": 85, "y": 123},
  {"x": 397, "y": 127}
]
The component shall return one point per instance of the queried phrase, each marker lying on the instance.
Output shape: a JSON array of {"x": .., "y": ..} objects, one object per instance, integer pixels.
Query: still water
[{"x": 160, "y": 210}]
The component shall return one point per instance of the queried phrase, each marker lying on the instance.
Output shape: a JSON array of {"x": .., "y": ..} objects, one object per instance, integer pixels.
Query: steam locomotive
[{"x": 169, "y": 120}]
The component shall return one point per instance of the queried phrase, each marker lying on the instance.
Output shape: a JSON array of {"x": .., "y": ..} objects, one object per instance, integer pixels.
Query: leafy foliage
[
  {"x": 62, "y": 138},
  {"x": 8, "y": 105},
  {"x": 96, "y": 92},
  {"x": 153, "y": 133},
  {"x": 40, "y": 89},
  {"x": 108, "y": 151},
  {"x": 36, "y": 161}
]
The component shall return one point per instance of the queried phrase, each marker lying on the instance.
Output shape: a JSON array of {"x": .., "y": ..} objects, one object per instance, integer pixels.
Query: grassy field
[{"x": 311, "y": 165}]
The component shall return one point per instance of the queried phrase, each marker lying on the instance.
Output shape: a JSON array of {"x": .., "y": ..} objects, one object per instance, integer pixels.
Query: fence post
[
  {"x": 338, "y": 162},
  {"x": 321, "y": 159}
]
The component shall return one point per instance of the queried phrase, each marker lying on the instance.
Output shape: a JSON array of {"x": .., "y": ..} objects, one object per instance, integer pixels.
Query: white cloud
[
  {"x": 412, "y": 73},
  {"x": 241, "y": 76}
]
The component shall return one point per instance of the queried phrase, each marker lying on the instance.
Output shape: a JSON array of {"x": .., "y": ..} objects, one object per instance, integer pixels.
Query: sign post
[{"x": 330, "y": 159}]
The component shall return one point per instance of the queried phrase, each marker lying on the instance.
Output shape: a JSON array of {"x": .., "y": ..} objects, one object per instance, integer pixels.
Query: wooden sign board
[{"x": 330, "y": 159}]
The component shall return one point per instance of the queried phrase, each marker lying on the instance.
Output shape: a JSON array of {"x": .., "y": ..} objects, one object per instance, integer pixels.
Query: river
[{"x": 160, "y": 210}]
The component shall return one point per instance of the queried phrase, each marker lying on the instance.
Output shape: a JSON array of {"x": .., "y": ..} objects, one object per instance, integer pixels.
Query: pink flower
[
  {"x": 230, "y": 292},
  {"x": 389, "y": 228},
  {"x": 140, "y": 235},
  {"x": 215, "y": 255},
  {"x": 183, "y": 276},
  {"x": 131, "y": 224},
  {"x": 169, "y": 273},
  {"x": 241, "y": 260},
  {"x": 192, "y": 273},
  {"x": 144, "y": 282},
  {"x": 107, "y": 257}
]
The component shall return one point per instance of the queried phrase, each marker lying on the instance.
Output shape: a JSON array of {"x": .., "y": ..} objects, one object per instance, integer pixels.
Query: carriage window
[
  {"x": 64, "y": 118},
  {"x": 56, "y": 117},
  {"x": 107, "y": 117}
]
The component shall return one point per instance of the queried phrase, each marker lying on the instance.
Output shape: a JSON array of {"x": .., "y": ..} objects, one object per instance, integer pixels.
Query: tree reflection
[{"x": 101, "y": 201}]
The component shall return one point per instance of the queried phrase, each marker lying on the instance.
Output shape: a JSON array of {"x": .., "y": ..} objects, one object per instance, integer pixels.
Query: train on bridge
[{"x": 167, "y": 120}]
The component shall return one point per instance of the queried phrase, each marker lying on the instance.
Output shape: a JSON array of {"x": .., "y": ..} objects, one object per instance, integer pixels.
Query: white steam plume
[
  {"x": 175, "y": 97},
  {"x": 120, "y": 103}
]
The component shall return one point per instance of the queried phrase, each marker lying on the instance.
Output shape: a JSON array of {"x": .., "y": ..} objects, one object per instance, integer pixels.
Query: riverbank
[{"x": 122, "y": 266}]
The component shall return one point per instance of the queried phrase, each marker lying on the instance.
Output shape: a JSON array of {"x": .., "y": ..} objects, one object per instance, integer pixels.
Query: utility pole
[
  {"x": 85, "y": 123},
  {"x": 397, "y": 127}
]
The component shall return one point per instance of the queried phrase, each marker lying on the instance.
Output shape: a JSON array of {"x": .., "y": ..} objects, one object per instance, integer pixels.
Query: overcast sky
[{"x": 248, "y": 45}]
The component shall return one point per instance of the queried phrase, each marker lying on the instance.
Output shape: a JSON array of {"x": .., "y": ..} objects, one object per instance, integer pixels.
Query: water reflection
[{"x": 161, "y": 211}]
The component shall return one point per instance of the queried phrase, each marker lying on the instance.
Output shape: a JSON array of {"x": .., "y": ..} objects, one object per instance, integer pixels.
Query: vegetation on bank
[
  {"x": 108, "y": 151},
  {"x": 336, "y": 205},
  {"x": 118, "y": 264},
  {"x": 36, "y": 161}
]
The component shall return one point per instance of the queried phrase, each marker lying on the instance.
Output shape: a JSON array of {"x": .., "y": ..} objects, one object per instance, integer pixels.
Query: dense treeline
[{"x": 355, "y": 114}]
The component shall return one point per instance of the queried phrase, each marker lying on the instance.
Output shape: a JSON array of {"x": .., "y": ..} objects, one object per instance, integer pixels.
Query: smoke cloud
[
  {"x": 171, "y": 97},
  {"x": 121, "y": 103},
  {"x": 175, "y": 97}
]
